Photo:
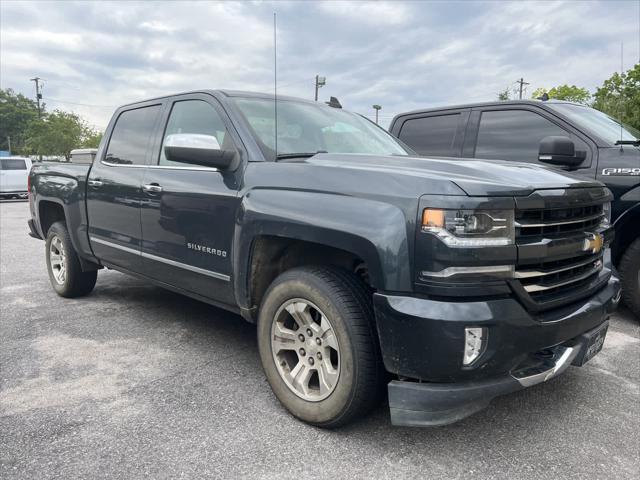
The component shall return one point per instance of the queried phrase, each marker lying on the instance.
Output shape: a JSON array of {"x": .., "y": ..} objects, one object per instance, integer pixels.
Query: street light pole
[
  {"x": 377, "y": 108},
  {"x": 320, "y": 82}
]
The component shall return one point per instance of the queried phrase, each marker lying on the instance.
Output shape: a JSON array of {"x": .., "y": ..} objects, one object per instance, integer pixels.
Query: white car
[{"x": 13, "y": 176}]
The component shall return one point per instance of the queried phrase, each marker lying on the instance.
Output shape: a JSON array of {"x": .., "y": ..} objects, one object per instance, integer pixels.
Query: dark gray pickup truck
[{"x": 364, "y": 267}]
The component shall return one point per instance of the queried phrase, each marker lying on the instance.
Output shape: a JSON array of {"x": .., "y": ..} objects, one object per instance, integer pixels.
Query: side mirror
[
  {"x": 198, "y": 149},
  {"x": 560, "y": 151}
]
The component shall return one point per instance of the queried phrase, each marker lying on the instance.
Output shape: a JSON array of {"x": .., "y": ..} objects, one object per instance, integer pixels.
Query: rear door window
[
  {"x": 132, "y": 133},
  {"x": 516, "y": 134},
  {"x": 12, "y": 164},
  {"x": 434, "y": 135}
]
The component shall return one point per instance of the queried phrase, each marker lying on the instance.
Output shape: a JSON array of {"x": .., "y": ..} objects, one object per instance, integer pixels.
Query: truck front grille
[
  {"x": 557, "y": 236},
  {"x": 551, "y": 280},
  {"x": 557, "y": 222}
]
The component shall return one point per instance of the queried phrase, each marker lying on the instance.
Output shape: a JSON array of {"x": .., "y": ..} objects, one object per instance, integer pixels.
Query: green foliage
[
  {"x": 60, "y": 132},
  {"x": 570, "y": 93},
  {"x": 55, "y": 133},
  {"x": 619, "y": 96},
  {"x": 504, "y": 95},
  {"x": 92, "y": 139},
  {"x": 16, "y": 113}
]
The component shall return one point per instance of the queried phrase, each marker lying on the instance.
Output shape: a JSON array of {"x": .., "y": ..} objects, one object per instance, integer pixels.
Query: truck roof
[
  {"x": 495, "y": 103},
  {"x": 226, "y": 93}
]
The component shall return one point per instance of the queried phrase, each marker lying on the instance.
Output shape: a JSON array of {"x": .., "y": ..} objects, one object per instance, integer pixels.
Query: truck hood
[{"x": 474, "y": 177}]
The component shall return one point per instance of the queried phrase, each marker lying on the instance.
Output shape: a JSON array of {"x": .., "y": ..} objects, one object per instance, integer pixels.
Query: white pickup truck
[{"x": 14, "y": 172}]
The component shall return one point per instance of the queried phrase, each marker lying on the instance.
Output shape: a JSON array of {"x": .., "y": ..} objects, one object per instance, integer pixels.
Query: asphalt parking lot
[{"x": 134, "y": 381}]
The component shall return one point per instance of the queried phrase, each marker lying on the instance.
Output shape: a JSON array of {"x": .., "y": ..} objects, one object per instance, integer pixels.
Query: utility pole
[
  {"x": 377, "y": 108},
  {"x": 320, "y": 82},
  {"x": 38, "y": 94},
  {"x": 522, "y": 84},
  {"x": 9, "y": 142}
]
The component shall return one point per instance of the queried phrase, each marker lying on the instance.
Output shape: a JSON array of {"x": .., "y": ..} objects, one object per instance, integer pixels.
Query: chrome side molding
[{"x": 173, "y": 263}]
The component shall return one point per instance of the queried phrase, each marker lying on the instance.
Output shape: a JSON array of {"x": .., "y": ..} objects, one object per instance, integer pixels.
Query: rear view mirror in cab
[
  {"x": 198, "y": 149},
  {"x": 561, "y": 151}
]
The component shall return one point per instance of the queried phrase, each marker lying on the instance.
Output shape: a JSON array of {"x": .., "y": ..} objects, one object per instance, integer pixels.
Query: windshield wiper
[
  {"x": 284, "y": 156},
  {"x": 635, "y": 143}
]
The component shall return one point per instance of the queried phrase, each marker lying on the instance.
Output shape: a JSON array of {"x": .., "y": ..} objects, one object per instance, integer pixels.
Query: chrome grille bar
[
  {"x": 553, "y": 224},
  {"x": 543, "y": 273},
  {"x": 535, "y": 287}
]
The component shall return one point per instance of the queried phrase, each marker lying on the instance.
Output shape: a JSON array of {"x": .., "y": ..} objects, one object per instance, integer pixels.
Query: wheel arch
[
  {"x": 49, "y": 212},
  {"x": 277, "y": 230},
  {"x": 627, "y": 230}
]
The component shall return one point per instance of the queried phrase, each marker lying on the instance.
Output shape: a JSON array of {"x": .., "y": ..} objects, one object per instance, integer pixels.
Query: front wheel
[
  {"x": 65, "y": 274},
  {"x": 318, "y": 345}
]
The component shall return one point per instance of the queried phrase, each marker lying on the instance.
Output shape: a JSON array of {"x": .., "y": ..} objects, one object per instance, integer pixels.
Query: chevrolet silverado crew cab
[
  {"x": 363, "y": 266},
  {"x": 555, "y": 133}
]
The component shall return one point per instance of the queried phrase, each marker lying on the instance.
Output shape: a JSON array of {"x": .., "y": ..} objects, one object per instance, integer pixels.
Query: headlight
[{"x": 470, "y": 228}]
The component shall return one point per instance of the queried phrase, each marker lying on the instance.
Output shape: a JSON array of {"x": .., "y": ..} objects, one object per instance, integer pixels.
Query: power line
[{"x": 81, "y": 104}]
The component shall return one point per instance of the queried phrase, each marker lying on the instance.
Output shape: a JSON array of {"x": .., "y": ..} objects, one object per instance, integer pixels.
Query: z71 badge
[{"x": 621, "y": 171}]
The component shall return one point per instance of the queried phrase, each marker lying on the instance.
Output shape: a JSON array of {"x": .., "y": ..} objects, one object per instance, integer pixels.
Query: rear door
[
  {"x": 13, "y": 175},
  {"x": 188, "y": 211},
  {"x": 436, "y": 134},
  {"x": 114, "y": 188}
]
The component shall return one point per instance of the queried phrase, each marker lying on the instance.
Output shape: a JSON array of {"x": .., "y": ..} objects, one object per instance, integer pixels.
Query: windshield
[
  {"x": 597, "y": 122},
  {"x": 308, "y": 128}
]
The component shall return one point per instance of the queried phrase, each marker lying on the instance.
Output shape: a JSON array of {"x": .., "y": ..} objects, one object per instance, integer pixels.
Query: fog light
[{"x": 474, "y": 338}]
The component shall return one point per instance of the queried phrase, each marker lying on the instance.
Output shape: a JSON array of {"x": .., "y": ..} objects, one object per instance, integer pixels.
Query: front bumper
[{"x": 423, "y": 340}]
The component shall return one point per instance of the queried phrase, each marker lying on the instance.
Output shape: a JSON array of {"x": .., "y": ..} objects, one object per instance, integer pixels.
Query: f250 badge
[
  {"x": 209, "y": 250},
  {"x": 621, "y": 171}
]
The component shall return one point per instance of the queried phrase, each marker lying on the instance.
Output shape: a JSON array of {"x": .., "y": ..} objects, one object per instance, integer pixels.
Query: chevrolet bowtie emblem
[{"x": 593, "y": 243}]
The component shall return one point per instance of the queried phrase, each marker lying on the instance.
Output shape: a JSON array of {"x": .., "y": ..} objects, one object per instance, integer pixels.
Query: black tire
[
  {"x": 76, "y": 283},
  {"x": 629, "y": 269},
  {"x": 347, "y": 303}
]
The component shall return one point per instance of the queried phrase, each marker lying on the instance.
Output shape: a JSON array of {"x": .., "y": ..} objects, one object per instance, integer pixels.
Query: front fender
[
  {"x": 626, "y": 225},
  {"x": 375, "y": 231}
]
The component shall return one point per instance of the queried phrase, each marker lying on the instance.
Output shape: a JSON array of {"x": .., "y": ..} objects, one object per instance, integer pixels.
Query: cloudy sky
[{"x": 403, "y": 55}]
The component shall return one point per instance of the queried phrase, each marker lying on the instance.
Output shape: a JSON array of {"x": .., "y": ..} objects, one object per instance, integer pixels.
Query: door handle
[
  {"x": 152, "y": 188},
  {"x": 95, "y": 183}
]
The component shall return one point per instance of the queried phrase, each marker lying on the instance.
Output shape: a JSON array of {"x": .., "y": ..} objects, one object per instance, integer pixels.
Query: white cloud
[
  {"x": 403, "y": 55},
  {"x": 372, "y": 12}
]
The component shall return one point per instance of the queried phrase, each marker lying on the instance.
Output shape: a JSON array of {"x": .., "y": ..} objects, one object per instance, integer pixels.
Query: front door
[
  {"x": 114, "y": 188},
  {"x": 188, "y": 211}
]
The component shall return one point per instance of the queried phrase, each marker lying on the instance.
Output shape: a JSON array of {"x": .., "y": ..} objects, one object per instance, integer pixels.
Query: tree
[
  {"x": 60, "y": 132},
  {"x": 504, "y": 95},
  {"x": 619, "y": 96},
  {"x": 16, "y": 113},
  {"x": 92, "y": 139},
  {"x": 570, "y": 93}
]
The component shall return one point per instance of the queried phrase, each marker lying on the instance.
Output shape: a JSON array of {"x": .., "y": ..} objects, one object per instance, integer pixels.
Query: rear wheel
[
  {"x": 65, "y": 274},
  {"x": 318, "y": 346},
  {"x": 629, "y": 269}
]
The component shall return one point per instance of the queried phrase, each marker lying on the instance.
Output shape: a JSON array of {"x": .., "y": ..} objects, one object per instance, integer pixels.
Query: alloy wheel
[
  {"x": 305, "y": 350},
  {"x": 57, "y": 260}
]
